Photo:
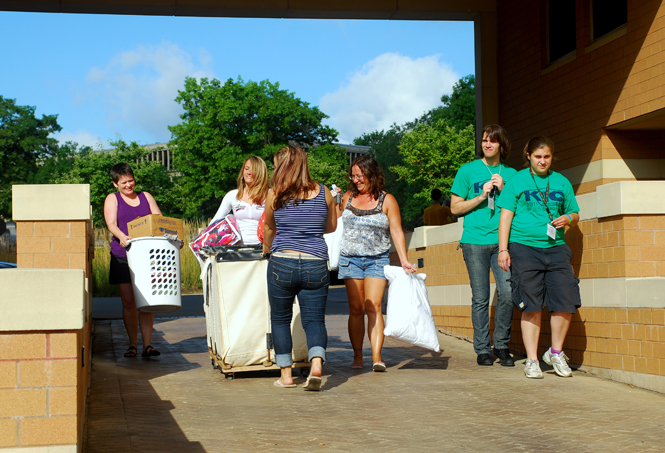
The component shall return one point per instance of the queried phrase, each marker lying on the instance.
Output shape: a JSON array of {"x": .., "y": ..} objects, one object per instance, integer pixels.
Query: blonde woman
[{"x": 248, "y": 201}]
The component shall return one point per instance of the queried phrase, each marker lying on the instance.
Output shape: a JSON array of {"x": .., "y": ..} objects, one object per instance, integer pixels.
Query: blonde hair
[
  {"x": 259, "y": 188},
  {"x": 291, "y": 179}
]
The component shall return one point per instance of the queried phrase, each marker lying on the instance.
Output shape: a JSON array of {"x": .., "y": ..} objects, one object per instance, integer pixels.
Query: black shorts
[
  {"x": 119, "y": 271},
  {"x": 543, "y": 276}
]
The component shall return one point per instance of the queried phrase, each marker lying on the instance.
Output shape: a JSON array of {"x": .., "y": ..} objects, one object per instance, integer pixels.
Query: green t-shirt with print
[
  {"x": 521, "y": 196},
  {"x": 481, "y": 224}
]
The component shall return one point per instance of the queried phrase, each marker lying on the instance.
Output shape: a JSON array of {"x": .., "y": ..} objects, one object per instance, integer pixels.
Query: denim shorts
[{"x": 360, "y": 267}]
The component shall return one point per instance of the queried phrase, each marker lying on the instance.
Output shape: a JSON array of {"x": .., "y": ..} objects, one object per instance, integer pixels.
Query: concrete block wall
[
  {"x": 38, "y": 389},
  {"x": 54, "y": 245},
  {"x": 619, "y": 246},
  {"x": 45, "y": 323}
]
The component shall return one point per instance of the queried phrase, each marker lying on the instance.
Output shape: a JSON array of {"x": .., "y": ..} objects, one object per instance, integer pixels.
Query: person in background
[
  {"x": 436, "y": 214},
  {"x": 121, "y": 208},
  {"x": 537, "y": 204},
  {"x": 298, "y": 212},
  {"x": 446, "y": 203},
  {"x": 247, "y": 201},
  {"x": 371, "y": 217},
  {"x": 476, "y": 189}
]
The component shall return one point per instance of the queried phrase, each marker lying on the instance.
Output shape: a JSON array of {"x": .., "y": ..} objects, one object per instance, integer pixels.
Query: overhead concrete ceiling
[{"x": 287, "y": 9}]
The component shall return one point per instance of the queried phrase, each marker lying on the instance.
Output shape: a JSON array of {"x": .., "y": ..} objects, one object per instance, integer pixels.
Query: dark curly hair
[{"x": 371, "y": 170}]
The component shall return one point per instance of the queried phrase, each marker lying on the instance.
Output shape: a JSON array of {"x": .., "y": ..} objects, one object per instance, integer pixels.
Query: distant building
[{"x": 160, "y": 152}]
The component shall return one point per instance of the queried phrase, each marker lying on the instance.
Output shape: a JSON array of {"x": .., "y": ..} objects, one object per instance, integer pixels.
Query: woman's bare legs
[
  {"x": 531, "y": 332},
  {"x": 286, "y": 377},
  {"x": 146, "y": 321},
  {"x": 355, "y": 291},
  {"x": 129, "y": 315},
  {"x": 132, "y": 319},
  {"x": 559, "y": 322},
  {"x": 365, "y": 296},
  {"x": 374, "y": 288}
]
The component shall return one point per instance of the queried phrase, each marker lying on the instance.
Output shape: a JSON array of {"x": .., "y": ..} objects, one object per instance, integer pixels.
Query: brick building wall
[{"x": 588, "y": 103}]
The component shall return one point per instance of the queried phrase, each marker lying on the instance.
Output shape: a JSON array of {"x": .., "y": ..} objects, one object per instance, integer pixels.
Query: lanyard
[
  {"x": 488, "y": 168},
  {"x": 547, "y": 193}
]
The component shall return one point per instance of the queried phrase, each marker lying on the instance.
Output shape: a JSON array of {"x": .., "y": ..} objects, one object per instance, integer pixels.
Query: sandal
[
  {"x": 150, "y": 352},
  {"x": 313, "y": 383},
  {"x": 131, "y": 351}
]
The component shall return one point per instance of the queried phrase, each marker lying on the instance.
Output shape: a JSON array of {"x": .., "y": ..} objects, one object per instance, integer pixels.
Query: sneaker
[
  {"x": 559, "y": 362},
  {"x": 532, "y": 369},
  {"x": 484, "y": 360},
  {"x": 504, "y": 357}
]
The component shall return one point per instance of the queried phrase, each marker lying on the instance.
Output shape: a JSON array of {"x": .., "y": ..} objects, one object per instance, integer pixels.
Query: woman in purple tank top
[{"x": 121, "y": 208}]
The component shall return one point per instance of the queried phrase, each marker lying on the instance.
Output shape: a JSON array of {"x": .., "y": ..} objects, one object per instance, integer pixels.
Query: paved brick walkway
[{"x": 426, "y": 401}]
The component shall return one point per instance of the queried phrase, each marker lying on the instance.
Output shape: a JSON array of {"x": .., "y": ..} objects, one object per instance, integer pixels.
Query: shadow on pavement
[{"x": 125, "y": 413}]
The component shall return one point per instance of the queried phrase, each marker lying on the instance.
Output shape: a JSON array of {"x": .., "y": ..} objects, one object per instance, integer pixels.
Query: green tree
[
  {"x": 459, "y": 108},
  {"x": 223, "y": 124},
  {"x": 54, "y": 168},
  {"x": 432, "y": 155},
  {"x": 24, "y": 141},
  {"x": 93, "y": 168},
  {"x": 329, "y": 164}
]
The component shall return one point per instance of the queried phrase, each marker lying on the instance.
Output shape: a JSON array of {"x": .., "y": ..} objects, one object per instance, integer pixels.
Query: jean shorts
[{"x": 360, "y": 267}]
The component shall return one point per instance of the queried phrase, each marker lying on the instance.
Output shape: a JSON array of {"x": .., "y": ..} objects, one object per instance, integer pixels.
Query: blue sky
[{"x": 110, "y": 76}]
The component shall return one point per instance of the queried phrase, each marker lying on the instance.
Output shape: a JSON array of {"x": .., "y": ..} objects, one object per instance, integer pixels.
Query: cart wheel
[
  {"x": 304, "y": 372},
  {"x": 214, "y": 367},
  {"x": 229, "y": 376}
]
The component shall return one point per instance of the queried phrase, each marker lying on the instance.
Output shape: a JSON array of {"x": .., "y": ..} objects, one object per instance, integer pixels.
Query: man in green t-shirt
[{"x": 475, "y": 192}]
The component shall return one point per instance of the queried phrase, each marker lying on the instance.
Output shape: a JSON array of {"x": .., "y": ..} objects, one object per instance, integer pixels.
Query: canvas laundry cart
[{"x": 237, "y": 313}]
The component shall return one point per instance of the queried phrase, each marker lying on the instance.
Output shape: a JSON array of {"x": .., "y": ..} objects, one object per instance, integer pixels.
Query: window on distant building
[
  {"x": 607, "y": 16},
  {"x": 561, "y": 28}
]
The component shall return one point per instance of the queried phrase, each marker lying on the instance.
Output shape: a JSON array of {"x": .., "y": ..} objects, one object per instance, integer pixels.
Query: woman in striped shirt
[{"x": 298, "y": 212}]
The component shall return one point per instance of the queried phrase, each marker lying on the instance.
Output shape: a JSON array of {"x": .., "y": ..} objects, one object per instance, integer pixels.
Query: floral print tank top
[{"x": 366, "y": 232}]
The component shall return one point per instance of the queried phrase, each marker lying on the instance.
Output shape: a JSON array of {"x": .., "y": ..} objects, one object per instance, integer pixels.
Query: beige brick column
[{"x": 45, "y": 321}]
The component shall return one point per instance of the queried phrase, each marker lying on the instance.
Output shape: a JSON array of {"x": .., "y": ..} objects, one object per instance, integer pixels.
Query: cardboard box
[{"x": 155, "y": 225}]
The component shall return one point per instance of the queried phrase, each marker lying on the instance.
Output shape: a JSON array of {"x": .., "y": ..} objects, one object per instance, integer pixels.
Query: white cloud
[
  {"x": 389, "y": 89},
  {"x": 138, "y": 88},
  {"x": 82, "y": 137}
]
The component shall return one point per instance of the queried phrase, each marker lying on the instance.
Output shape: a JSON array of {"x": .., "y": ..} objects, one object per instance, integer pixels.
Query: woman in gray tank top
[{"x": 371, "y": 217}]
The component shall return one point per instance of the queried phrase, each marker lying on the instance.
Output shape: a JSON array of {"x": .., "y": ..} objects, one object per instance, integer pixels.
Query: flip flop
[
  {"x": 150, "y": 352},
  {"x": 379, "y": 367},
  {"x": 131, "y": 352},
  {"x": 313, "y": 383},
  {"x": 357, "y": 367},
  {"x": 278, "y": 383}
]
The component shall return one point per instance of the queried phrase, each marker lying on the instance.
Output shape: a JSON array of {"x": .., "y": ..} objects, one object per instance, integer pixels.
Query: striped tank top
[{"x": 300, "y": 226}]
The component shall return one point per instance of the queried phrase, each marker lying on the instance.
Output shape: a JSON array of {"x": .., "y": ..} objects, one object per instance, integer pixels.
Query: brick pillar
[{"x": 45, "y": 336}]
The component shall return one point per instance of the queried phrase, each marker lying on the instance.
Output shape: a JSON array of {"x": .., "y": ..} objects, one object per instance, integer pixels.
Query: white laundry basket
[{"x": 154, "y": 263}]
